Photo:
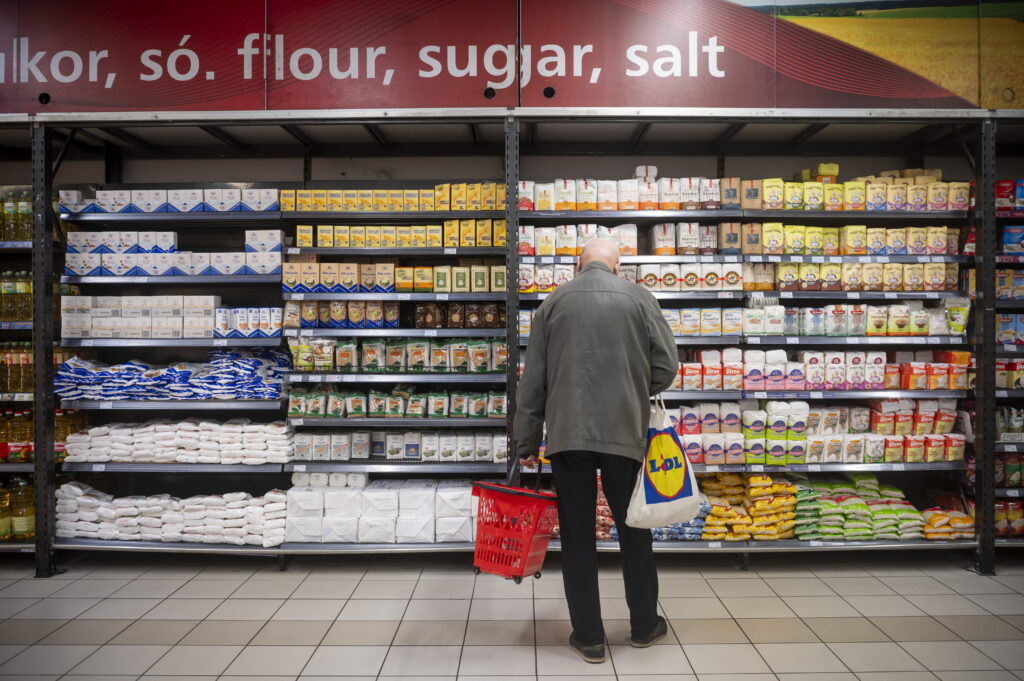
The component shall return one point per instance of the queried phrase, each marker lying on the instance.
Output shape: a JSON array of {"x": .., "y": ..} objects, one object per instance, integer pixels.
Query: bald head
[{"x": 601, "y": 250}]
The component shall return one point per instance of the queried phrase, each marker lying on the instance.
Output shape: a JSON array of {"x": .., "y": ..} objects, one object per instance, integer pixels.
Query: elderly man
[{"x": 599, "y": 349}]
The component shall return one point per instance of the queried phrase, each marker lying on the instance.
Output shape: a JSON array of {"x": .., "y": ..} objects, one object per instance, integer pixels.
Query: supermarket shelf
[
  {"x": 197, "y": 219},
  {"x": 1009, "y": 305},
  {"x": 702, "y": 341},
  {"x": 17, "y": 547},
  {"x": 1010, "y": 214},
  {"x": 1006, "y": 446},
  {"x": 17, "y": 468},
  {"x": 863, "y": 295},
  {"x": 15, "y": 326},
  {"x": 168, "y": 468},
  {"x": 853, "y": 394},
  {"x": 397, "y": 333},
  {"x": 855, "y": 258},
  {"x": 318, "y": 421},
  {"x": 402, "y": 252},
  {"x": 815, "y": 468},
  {"x": 1008, "y": 259},
  {"x": 787, "y": 545},
  {"x": 16, "y": 246},
  {"x": 1010, "y": 542},
  {"x": 16, "y": 397},
  {"x": 1010, "y": 393},
  {"x": 415, "y": 217},
  {"x": 499, "y": 296},
  {"x": 397, "y": 378},
  {"x": 159, "y": 405},
  {"x": 170, "y": 343},
  {"x": 858, "y": 215},
  {"x": 855, "y": 340},
  {"x": 396, "y": 467},
  {"x": 1009, "y": 492},
  {"x": 633, "y": 259},
  {"x": 560, "y": 216},
  {"x": 664, "y": 295},
  {"x": 287, "y": 548},
  {"x": 197, "y": 279},
  {"x": 702, "y": 394},
  {"x": 1008, "y": 349}
]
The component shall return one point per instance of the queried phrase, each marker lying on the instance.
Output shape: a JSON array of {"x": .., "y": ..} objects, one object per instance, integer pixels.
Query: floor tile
[
  {"x": 437, "y": 610},
  {"x": 725, "y": 658},
  {"x": 1003, "y": 604},
  {"x": 914, "y": 629},
  {"x": 647, "y": 677},
  {"x": 198, "y": 660},
  {"x": 684, "y": 588},
  {"x": 953, "y": 605},
  {"x": 57, "y": 659},
  {"x": 653, "y": 660},
  {"x": 265, "y": 588},
  {"x": 7, "y": 651},
  {"x": 800, "y": 657},
  {"x": 207, "y": 588},
  {"x": 896, "y": 676},
  {"x": 489, "y": 586},
  {"x": 184, "y": 571},
  {"x": 384, "y": 589},
  {"x": 183, "y": 609},
  {"x": 875, "y": 657},
  {"x": 34, "y": 588},
  {"x": 740, "y": 587},
  {"x": 90, "y": 588},
  {"x": 777, "y": 631},
  {"x": 149, "y": 588},
  {"x": 709, "y": 631},
  {"x": 328, "y": 660},
  {"x": 246, "y": 609},
  {"x": 10, "y": 606},
  {"x": 326, "y": 589},
  {"x": 950, "y": 656},
  {"x": 489, "y": 633},
  {"x": 1010, "y": 654},
  {"x": 86, "y": 632},
  {"x": 560, "y": 661},
  {"x": 235, "y": 572},
  {"x": 118, "y": 660},
  {"x": 887, "y": 606},
  {"x": 845, "y": 630},
  {"x": 265, "y": 660},
  {"x": 57, "y": 609},
  {"x": 553, "y": 588},
  {"x": 737, "y": 677},
  {"x": 153, "y": 632},
  {"x": 423, "y": 660},
  {"x": 222, "y": 633},
  {"x": 693, "y": 608},
  {"x": 291, "y": 633},
  {"x": 981, "y": 627},
  {"x": 857, "y": 586},
  {"x": 917, "y": 586},
  {"x": 431, "y": 633},
  {"x": 819, "y": 676},
  {"x": 1016, "y": 620},
  {"x": 361, "y": 633},
  {"x": 619, "y": 631},
  {"x": 373, "y": 610},
  {"x": 555, "y": 609},
  {"x": 808, "y": 586},
  {"x": 27, "y": 632},
  {"x": 501, "y": 609},
  {"x": 976, "y": 676},
  {"x": 459, "y": 590},
  {"x": 510, "y": 661},
  {"x": 1015, "y": 582},
  {"x": 120, "y": 608},
  {"x": 756, "y": 607},
  {"x": 820, "y": 606},
  {"x": 548, "y": 632},
  {"x": 969, "y": 585},
  {"x": 308, "y": 609}
]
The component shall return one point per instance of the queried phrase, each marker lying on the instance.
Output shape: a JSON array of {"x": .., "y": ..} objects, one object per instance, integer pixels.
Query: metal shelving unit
[
  {"x": 407, "y": 467},
  {"x": 15, "y": 326},
  {"x": 1009, "y": 492},
  {"x": 17, "y": 468},
  {"x": 214, "y": 279},
  {"x": 171, "y": 342},
  {"x": 853, "y": 394},
  {"x": 117, "y": 467},
  {"x": 855, "y": 340},
  {"x": 160, "y": 405},
  {"x": 288, "y": 548},
  {"x": 856, "y": 258},
  {"x": 325, "y": 422},
  {"x": 397, "y": 378},
  {"x": 480, "y": 252},
  {"x": 432, "y": 297},
  {"x": 396, "y": 333},
  {"x": 17, "y": 547}
]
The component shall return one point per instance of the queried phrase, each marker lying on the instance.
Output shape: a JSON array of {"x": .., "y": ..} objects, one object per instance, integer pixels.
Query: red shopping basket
[{"x": 512, "y": 530}]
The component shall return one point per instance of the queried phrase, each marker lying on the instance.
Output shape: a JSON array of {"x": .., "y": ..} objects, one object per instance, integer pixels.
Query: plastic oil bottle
[
  {"x": 5, "y": 514},
  {"x": 24, "y": 231},
  {"x": 19, "y": 442},
  {"x": 23, "y": 297},
  {"x": 23, "y": 511},
  {"x": 10, "y": 220}
]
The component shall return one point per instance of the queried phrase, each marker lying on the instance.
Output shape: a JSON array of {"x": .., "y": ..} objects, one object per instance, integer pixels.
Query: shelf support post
[
  {"x": 511, "y": 282},
  {"x": 984, "y": 217},
  {"x": 42, "y": 341}
]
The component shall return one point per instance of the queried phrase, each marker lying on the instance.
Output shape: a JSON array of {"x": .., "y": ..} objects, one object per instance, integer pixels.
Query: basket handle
[{"x": 514, "y": 470}]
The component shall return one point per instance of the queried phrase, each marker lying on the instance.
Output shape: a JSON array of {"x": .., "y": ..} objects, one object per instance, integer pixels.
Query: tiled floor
[{"x": 832, "y": 617}]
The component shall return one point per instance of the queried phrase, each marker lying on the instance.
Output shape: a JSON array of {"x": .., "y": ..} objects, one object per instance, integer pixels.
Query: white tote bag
[{"x": 666, "y": 489}]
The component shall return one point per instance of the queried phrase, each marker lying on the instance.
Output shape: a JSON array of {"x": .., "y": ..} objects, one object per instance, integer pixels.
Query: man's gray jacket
[{"x": 599, "y": 349}]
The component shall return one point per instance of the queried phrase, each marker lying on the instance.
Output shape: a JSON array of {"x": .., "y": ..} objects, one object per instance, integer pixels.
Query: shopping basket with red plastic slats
[{"x": 513, "y": 527}]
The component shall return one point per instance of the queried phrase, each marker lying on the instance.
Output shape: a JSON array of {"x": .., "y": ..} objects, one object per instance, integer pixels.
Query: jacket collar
[{"x": 596, "y": 265}]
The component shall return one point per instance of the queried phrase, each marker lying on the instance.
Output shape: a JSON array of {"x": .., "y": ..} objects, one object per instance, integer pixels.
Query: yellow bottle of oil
[
  {"x": 24, "y": 231},
  {"x": 62, "y": 427},
  {"x": 5, "y": 514},
  {"x": 23, "y": 296},
  {"x": 7, "y": 297},
  {"x": 28, "y": 373},
  {"x": 10, "y": 218},
  {"x": 23, "y": 511},
  {"x": 19, "y": 443}
]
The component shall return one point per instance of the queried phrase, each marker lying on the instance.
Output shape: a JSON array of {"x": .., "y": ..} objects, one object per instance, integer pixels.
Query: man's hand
[{"x": 529, "y": 462}]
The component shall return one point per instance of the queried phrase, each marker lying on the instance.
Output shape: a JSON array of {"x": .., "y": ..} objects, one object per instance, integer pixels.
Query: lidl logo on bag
[{"x": 665, "y": 472}]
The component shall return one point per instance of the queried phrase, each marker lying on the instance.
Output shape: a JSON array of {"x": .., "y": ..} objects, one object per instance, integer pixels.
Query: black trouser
[{"x": 575, "y": 476}]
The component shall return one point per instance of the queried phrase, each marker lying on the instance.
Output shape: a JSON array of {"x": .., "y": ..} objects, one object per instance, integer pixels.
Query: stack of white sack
[
  {"x": 235, "y": 518},
  {"x": 204, "y": 441}
]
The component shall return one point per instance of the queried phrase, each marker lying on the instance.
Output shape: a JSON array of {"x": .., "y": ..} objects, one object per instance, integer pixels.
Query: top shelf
[
  {"x": 404, "y": 252},
  {"x": 266, "y": 217},
  {"x": 697, "y": 215}
]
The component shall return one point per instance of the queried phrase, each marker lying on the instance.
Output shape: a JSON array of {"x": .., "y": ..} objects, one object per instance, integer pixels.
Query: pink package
[
  {"x": 753, "y": 377},
  {"x": 855, "y": 376},
  {"x": 814, "y": 376},
  {"x": 874, "y": 377},
  {"x": 835, "y": 377},
  {"x": 712, "y": 376},
  {"x": 775, "y": 376},
  {"x": 795, "y": 378},
  {"x": 693, "y": 446}
]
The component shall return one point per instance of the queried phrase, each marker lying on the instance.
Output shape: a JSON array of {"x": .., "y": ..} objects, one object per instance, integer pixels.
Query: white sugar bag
[
  {"x": 342, "y": 530},
  {"x": 253, "y": 539},
  {"x": 275, "y": 523},
  {"x": 343, "y": 501},
  {"x": 273, "y": 515},
  {"x": 150, "y": 536},
  {"x": 108, "y": 535},
  {"x": 67, "y": 525},
  {"x": 414, "y": 530},
  {"x": 377, "y": 530},
  {"x": 98, "y": 431},
  {"x": 89, "y": 516},
  {"x": 150, "y": 522},
  {"x": 87, "y": 503},
  {"x": 282, "y": 506},
  {"x": 232, "y": 460},
  {"x": 105, "y": 513},
  {"x": 271, "y": 542},
  {"x": 212, "y": 529},
  {"x": 126, "y": 521},
  {"x": 172, "y": 527},
  {"x": 171, "y": 537},
  {"x": 186, "y": 458},
  {"x": 217, "y": 513},
  {"x": 239, "y": 503},
  {"x": 232, "y": 513},
  {"x": 234, "y": 522},
  {"x": 304, "y": 529},
  {"x": 192, "y": 537},
  {"x": 214, "y": 522},
  {"x": 214, "y": 500},
  {"x": 89, "y": 535},
  {"x": 79, "y": 437},
  {"x": 207, "y": 425},
  {"x": 253, "y": 529},
  {"x": 194, "y": 515},
  {"x": 193, "y": 522},
  {"x": 237, "y": 532},
  {"x": 275, "y": 496}
]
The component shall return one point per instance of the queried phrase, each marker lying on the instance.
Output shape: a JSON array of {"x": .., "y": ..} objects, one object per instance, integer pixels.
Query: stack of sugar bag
[
  {"x": 235, "y": 518},
  {"x": 205, "y": 441},
  {"x": 225, "y": 375}
]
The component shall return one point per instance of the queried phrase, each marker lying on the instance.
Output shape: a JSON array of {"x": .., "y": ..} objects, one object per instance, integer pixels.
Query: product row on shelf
[
  {"x": 385, "y": 314},
  {"x": 403, "y": 402},
  {"x": 465, "y": 356},
  {"x": 313, "y": 277},
  {"x": 469, "y": 233}
]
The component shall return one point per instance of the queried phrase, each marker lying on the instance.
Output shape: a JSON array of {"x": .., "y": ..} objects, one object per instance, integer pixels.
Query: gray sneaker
[
  {"x": 593, "y": 654},
  {"x": 660, "y": 632}
]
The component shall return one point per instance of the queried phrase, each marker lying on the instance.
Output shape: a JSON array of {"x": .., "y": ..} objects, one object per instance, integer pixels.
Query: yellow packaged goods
[
  {"x": 500, "y": 237},
  {"x": 329, "y": 273},
  {"x": 304, "y": 236},
  {"x": 892, "y": 276},
  {"x": 854, "y": 239},
  {"x": 367, "y": 277},
  {"x": 814, "y": 196},
  {"x": 854, "y": 195},
  {"x": 419, "y": 236},
  {"x": 875, "y": 196},
  {"x": 364, "y": 200},
  {"x": 830, "y": 241},
  {"x": 959, "y": 196},
  {"x": 318, "y": 200},
  {"x": 896, "y": 196},
  {"x": 938, "y": 196},
  {"x": 442, "y": 197},
  {"x": 380, "y": 200},
  {"x": 826, "y": 169},
  {"x": 488, "y": 196},
  {"x": 873, "y": 276},
  {"x": 793, "y": 237},
  {"x": 467, "y": 233},
  {"x": 341, "y": 239},
  {"x": 425, "y": 199},
  {"x": 357, "y": 236},
  {"x": 404, "y": 280},
  {"x": 335, "y": 200},
  {"x": 309, "y": 275},
  {"x": 384, "y": 276},
  {"x": 410, "y": 199},
  {"x": 853, "y": 276},
  {"x": 404, "y": 236},
  {"x": 500, "y": 196},
  {"x": 423, "y": 279},
  {"x": 473, "y": 196},
  {"x": 291, "y": 276},
  {"x": 348, "y": 277},
  {"x": 793, "y": 195},
  {"x": 451, "y": 233},
  {"x": 479, "y": 278},
  {"x": 458, "y": 196},
  {"x": 935, "y": 240},
  {"x": 286, "y": 197},
  {"x": 833, "y": 196},
  {"x": 373, "y": 239},
  {"x": 772, "y": 193},
  {"x": 913, "y": 276},
  {"x": 917, "y": 240},
  {"x": 875, "y": 240},
  {"x": 303, "y": 200},
  {"x": 396, "y": 200},
  {"x": 917, "y": 197},
  {"x": 773, "y": 238}
]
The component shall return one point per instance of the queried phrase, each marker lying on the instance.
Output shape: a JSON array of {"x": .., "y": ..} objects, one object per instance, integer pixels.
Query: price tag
[
  {"x": 23, "y": 397},
  {"x": 882, "y": 258},
  {"x": 714, "y": 544},
  {"x": 816, "y": 543},
  {"x": 835, "y": 258},
  {"x": 785, "y": 294},
  {"x": 306, "y": 332},
  {"x": 813, "y": 468},
  {"x": 817, "y": 395},
  {"x": 889, "y": 295},
  {"x": 298, "y": 296},
  {"x": 774, "y": 258},
  {"x": 442, "y": 296},
  {"x": 315, "y": 378},
  {"x": 86, "y": 342},
  {"x": 217, "y": 342},
  {"x": 874, "y": 340},
  {"x": 1013, "y": 492},
  {"x": 431, "y": 333},
  {"x": 853, "y": 295},
  {"x": 756, "y": 468},
  {"x": 106, "y": 405},
  {"x": 291, "y": 332},
  {"x": 298, "y": 422},
  {"x": 349, "y": 378},
  {"x": 293, "y": 251},
  {"x": 1009, "y": 348},
  {"x": 899, "y": 467},
  {"x": 98, "y": 468},
  {"x": 1002, "y": 393},
  {"x": 931, "y": 294},
  {"x": 760, "y": 395},
  {"x": 725, "y": 294},
  {"x": 934, "y": 340},
  {"x": 452, "y": 251},
  {"x": 710, "y": 469},
  {"x": 792, "y": 340},
  {"x": 334, "y": 378},
  {"x": 753, "y": 258},
  {"x": 546, "y": 260},
  {"x": 299, "y": 468},
  {"x": 688, "y": 258},
  {"x": 817, "y": 258},
  {"x": 754, "y": 340},
  {"x": 1010, "y": 448},
  {"x": 403, "y": 296}
]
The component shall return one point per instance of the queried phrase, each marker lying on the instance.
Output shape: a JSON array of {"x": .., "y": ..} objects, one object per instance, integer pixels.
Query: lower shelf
[
  {"x": 17, "y": 468},
  {"x": 1010, "y": 542},
  {"x": 17, "y": 547},
  {"x": 815, "y": 468}
]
